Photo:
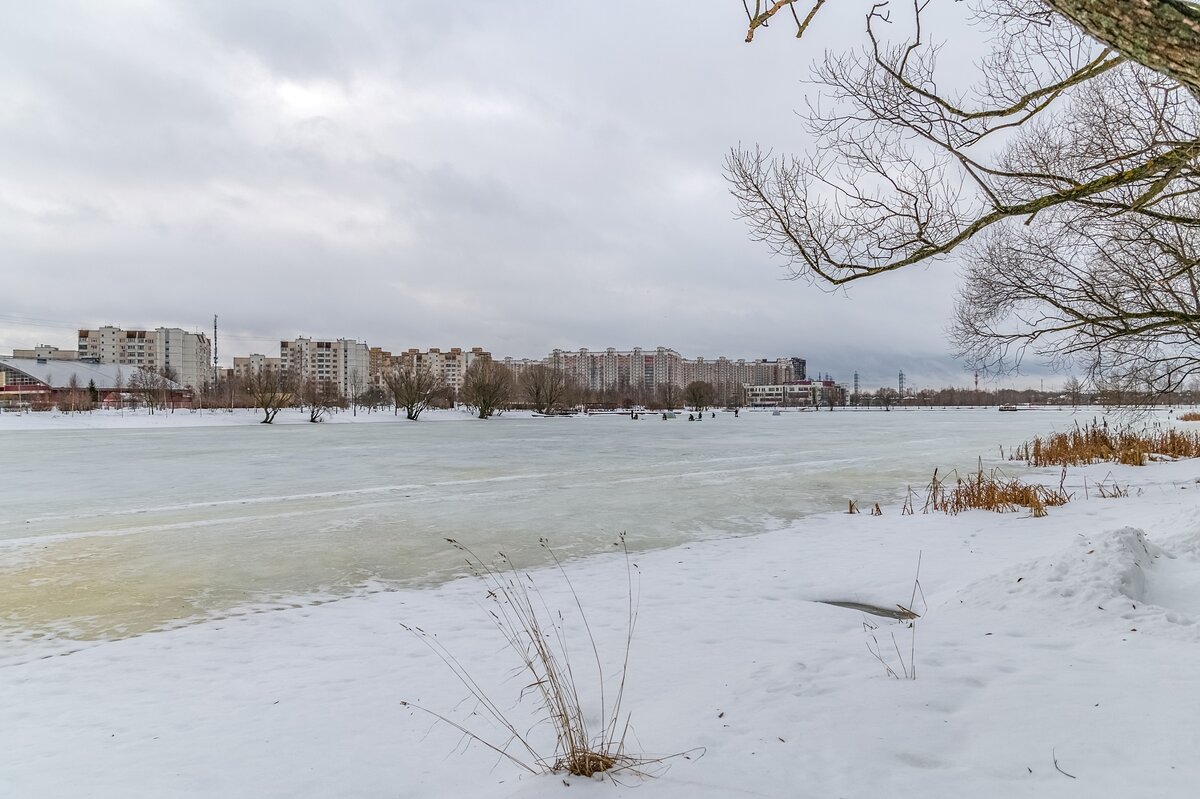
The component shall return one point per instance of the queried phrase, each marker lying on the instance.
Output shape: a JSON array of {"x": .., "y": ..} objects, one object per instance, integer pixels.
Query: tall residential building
[
  {"x": 345, "y": 363},
  {"x": 451, "y": 366},
  {"x": 643, "y": 368},
  {"x": 187, "y": 356}
]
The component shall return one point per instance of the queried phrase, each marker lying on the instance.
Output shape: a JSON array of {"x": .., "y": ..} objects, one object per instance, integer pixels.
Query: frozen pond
[{"x": 114, "y": 532}]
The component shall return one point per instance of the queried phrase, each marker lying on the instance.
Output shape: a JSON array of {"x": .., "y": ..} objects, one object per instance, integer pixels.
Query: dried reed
[
  {"x": 909, "y": 617},
  {"x": 1097, "y": 443},
  {"x": 992, "y": 491},
  {"x": 1189, "y": 416},
  {"x": 537, "y": 636}
]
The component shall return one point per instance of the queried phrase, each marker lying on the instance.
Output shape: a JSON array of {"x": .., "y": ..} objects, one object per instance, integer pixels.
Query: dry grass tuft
[
  {"x": 1108, "y": 488},
  {"x": 536, "y": 635},
  {"x": 1099, "y": 443},
  {"x": 992, "y": 492},
  {"x": 899, "y": 668},
  {"x": 1189, "y": 416}
]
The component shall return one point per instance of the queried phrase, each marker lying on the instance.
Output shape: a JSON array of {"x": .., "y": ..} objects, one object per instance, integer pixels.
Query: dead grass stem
[{"x": 537, "y": 636}]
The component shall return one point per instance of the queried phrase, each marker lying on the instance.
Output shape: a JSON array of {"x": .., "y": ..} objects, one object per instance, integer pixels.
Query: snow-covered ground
[{"x": 1073, "y": 637}]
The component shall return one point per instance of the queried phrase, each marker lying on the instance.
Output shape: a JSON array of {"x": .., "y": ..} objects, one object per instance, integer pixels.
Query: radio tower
[
  {"x": 856, "y": 388},
  {"x": 214, "y": 342},
  {"x": 901, "y": 384}
]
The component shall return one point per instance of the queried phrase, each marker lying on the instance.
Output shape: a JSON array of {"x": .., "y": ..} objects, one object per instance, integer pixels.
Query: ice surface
[
  {"x": 111, "y": 532},
  {"x": 1070, "y": 638}
]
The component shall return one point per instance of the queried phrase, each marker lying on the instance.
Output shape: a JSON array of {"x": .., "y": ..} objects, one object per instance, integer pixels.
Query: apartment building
[
  {"x": 617, "y": 369},
  {"x": 187, "y": 356},
  {"x": 255, "y": 364},
  {"x": 451, "y": 366},
  {"x": 344, "y": 362},
  {"x": 644, "y": 368}
]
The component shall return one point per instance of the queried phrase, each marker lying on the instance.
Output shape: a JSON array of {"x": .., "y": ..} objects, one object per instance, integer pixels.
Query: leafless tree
[
  {"x": 486, "y": 387},
  {"x": 1074, "y": 155},
  {"x": 414, "y": 387},
  {"x": 669, "y": 395},
  {"x": 167, "y": 382},
  {"x": 119, "y": 389},
  {"x": 271, "y": 390},
  {"x": 546, "y": 388},
  {"x": 699, "y": 394},
  {"x": 319, "y": 397},
  {"x": 147, "y": 385},
  {"x": 74, "y": 399},
  {"x": 1073, "y": 389},
  {"x": 358, "y": 384}
]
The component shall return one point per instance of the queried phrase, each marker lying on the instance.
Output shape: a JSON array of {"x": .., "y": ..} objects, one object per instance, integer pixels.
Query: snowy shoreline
[
  {"x": 108, "y": 419},
  {"x": 1071, "y": 637}
]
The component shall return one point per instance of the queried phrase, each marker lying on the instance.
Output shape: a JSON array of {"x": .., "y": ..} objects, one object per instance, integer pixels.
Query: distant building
[
  {"x": 45, "y": 382},
  {"x": 344, "y": 362},
  {"x": 47, "y": 351},
  {"x": 172, "y": 350},
  {"x": 795, "y": 394},
  {"x": 255, "y": 364},
  {"x": 649, "y": 369},
  {"x": 451, "y": 366}
]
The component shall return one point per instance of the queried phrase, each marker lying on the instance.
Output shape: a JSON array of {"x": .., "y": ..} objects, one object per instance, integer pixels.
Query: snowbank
[{"x": 1072, "y": 638}]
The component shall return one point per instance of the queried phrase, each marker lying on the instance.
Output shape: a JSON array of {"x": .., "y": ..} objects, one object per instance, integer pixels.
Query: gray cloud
[{"x": 518, "y": 176}]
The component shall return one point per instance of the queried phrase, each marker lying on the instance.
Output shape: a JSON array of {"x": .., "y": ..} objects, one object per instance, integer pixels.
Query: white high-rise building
[
  {"x": 345, "y": 362},
  {"x": 186, "y": 357}
]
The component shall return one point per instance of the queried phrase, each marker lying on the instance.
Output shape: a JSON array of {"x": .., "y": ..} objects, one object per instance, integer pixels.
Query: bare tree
[
  {"x": 1074, "y": 154},
  {"x": 1163, "y": 35},
  {"x": 486, "y": 387},
  {"x": 358, "y": 384},
  {"x": 271, "y": 390},
  {"x": 669, "y": 395},
  {"x": 119, "y": 389},
  {"x": 546, "y": 388},
  {"x": 319, "y": 397},
  {"x": 699, "y": 394},
  {"x": 74, "y": 394},
  {"x": 167, "y": 382},
  {"x": 1073, "y": 389},
  {"x": 147, "y": 385},
  {"x": 414, "y": 387}
]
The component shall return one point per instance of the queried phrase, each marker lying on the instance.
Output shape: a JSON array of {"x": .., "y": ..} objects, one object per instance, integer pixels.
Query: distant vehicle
[{"x": 1008, "y": 407}]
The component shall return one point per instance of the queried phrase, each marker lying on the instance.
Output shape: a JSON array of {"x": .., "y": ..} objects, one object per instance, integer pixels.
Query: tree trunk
[{"x": 1162, "y": 34}]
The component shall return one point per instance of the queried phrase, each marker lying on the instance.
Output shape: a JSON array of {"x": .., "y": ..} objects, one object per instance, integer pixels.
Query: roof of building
[{"x": 57, "y": 374}]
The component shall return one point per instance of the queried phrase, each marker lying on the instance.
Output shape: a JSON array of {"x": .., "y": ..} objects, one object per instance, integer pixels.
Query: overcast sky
[{"x": 518, "y": 176}]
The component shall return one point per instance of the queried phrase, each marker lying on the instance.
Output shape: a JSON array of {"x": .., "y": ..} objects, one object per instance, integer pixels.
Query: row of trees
[{"x": 488, "y": 388}]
